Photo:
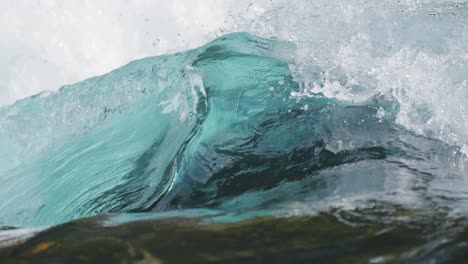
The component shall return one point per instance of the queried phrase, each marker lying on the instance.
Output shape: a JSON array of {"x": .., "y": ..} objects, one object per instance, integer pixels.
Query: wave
[{"x": 227, "y": 126}]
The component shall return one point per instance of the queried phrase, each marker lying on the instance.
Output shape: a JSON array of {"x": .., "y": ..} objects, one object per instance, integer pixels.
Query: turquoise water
[{"x": 224, "y": 128}]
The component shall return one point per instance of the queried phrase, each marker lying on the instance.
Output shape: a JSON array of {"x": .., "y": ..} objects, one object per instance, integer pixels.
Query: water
[
  {"x": 341, "y": 107},
  {"x": 225, "y": 126}
]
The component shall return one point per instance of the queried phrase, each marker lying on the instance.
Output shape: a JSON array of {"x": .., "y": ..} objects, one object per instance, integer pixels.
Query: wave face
[
  {"x": 226, "y": 127},
  {"x": 120, "y": 142}
]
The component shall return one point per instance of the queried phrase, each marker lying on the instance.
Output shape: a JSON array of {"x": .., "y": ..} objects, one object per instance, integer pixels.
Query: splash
[{"x": 413, "y": 51}]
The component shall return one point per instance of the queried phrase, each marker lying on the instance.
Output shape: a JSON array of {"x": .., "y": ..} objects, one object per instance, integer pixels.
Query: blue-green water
[{"x": 226, "y": 129}]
